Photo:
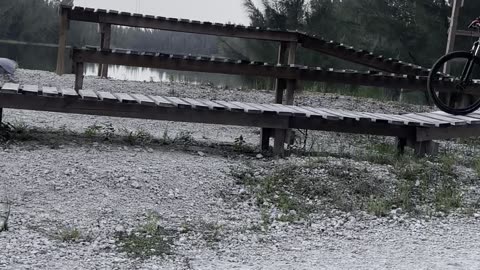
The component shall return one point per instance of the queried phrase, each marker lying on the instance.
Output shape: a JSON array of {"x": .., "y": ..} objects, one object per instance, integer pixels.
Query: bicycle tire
[{"x": 432, "y": 77}]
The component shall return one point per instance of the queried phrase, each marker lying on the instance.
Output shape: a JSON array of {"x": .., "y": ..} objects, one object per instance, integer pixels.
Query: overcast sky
[{"x": 204, "y": 10}]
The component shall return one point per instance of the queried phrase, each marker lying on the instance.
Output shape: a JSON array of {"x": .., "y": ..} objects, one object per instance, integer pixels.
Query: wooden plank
[
  {"x": 306, "y": 112},
  {"x": 263, "y": 107},
  {"x": 144, "y": 100},
  {"x": 469, "y": 120},
  {"x": 124, "y": 98},
  {"x": 230, "y": 106},
  {"x": 278, "y": 110},
  {"x": 324, "y": 115},
  {"x": 247, "y": 108},
  {"x": 196, "y": 104},
  {"x": 88, "y": 95},
  {"x": 179, "y": 102},
  {"x": 29, "y": 89},
  {"x": 290, "y": 109},
  {"x": 161, "y": 101},
  {"x": 411, "y": 121},
  {"x": 49, "y": 91},
  {"x": 453, "y": 121},
  {"x": 337, "y": 113},
  {"x": 385, "y": 117},
  {"x": 212, "y": 105},
  {"x": 68, "y": 93},
  {"x": 437, "y": 123},
  {"x": 107, "y": 97},
  {"x": 10, "y": 88}
]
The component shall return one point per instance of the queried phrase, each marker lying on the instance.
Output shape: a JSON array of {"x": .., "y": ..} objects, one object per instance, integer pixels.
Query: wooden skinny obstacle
[
  {"x": 416, "y": 130},
  {"x": 399, "y": 74}
]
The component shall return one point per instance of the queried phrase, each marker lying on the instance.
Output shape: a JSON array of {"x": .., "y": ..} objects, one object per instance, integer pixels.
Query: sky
[{"x": 221, "y": 11}]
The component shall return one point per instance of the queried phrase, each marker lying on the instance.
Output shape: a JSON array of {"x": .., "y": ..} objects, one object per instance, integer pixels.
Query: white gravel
[{"x": 101, "y": 188}]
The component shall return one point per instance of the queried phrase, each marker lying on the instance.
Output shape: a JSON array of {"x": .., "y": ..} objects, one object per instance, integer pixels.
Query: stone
[{"x": 135, "y": 185}]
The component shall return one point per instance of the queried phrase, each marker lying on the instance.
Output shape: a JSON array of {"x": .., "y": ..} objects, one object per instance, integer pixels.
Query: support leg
[
  {"x": 1, "y": 114},
  {"x": 401, "y": 143},
  {"x": 265, "y": 135},
  {"x": 280, "y": 85},
  {"x": 426, "y": 148},
  {"x": 105, "y": 30},
  {"x": 279, "y": 145},
  {"x": 78, "y": 76},
  {"x": 62, "y": 42}
]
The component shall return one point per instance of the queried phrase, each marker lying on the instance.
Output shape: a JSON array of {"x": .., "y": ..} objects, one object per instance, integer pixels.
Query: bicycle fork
[{"x": 467, "y": 70}]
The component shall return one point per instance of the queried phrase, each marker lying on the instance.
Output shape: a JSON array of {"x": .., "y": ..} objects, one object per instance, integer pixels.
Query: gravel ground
[{"x": 64, "y": 183}]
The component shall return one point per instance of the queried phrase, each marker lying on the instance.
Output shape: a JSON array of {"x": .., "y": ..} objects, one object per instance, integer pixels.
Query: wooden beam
[
  {"x": 62, "y": 42},
  {"x": 467, "y": 33},
  {"x": 428, "y": 134},
  {"x": 170, "y": 24}
]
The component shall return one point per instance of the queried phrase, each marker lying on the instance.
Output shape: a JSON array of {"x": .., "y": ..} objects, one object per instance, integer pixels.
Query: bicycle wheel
[{"x": 446, "y": 88}]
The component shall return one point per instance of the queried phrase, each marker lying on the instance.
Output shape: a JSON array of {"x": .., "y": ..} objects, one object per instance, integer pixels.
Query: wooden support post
[
  {"x": 401, "y": 143},
  {"x": 291, "y": 88},
  {"x": 280, "y": 85},
  {"x": 78, "y": 76},
  {"x": 452, "y": 33},
  {"x": 105, "y": 38},
  {"x": 279, "y": 144},
  {"x": 62, "y": 42},
  {"x": 266, "y": 134},
  {"x": 291, "y": 84},
  {"x": 426, "y": 148}
]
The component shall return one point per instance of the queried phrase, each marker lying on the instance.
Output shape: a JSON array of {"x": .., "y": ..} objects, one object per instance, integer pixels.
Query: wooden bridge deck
[{"x": 414, "y": 128}]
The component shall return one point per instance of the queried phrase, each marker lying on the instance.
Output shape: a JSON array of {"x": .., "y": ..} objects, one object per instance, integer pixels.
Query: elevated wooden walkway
[
  {"x": 313, "y": 42},
  {"x": 250, "y": 68},
  {"x": 416, "y": 130}
]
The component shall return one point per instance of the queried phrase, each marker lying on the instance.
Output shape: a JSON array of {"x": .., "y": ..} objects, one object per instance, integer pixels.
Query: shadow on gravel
[{"x": 107, "y": 135}]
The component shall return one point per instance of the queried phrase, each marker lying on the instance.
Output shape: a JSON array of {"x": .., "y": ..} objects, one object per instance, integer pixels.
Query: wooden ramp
[{"x": 412, "y": 129}]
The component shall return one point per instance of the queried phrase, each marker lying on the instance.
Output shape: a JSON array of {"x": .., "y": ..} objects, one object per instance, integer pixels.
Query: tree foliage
[
  {"x": 412, "y": 30},
  {"x": 38, "y": 21}
]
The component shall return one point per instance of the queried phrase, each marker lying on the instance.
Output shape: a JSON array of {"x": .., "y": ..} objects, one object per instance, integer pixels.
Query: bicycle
[{"x": 454, "y": 80}]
